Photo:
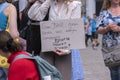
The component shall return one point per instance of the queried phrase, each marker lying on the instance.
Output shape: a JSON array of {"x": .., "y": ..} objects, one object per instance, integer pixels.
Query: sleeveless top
[
  {"x": 3, "y": 24},
  {"x": 3, "y": 17}
]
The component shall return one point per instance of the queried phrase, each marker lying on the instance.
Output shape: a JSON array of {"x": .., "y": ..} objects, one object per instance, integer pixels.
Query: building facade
[{"x": 89, "y": 7}]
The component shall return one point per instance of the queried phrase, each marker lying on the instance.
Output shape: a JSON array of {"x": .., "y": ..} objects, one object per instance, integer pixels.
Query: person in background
[
  {"x": 21, "y": 69},
  {"x": 88, "y": 30},
  {"x": 85, "y": 20},
  {"x": 59, "y": 10},
  {"x": 108, "y": 24},
  {"x": 95, "y": 41},
  {"x": 25, "y": 29},
  {"x": 22, "y": 6}
]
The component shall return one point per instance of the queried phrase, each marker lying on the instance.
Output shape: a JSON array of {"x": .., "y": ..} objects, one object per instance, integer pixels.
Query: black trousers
[{"x": 34, "y": 39}]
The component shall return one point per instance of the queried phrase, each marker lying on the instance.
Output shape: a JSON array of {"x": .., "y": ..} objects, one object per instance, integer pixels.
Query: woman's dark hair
[
  {"x": 8, "y": 44},
  {"x": 28, "y": 6}
]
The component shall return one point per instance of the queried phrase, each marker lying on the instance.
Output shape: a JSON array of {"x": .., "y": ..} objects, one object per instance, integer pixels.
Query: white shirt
[
  {"x": 73, "y": 10},
  {"x": 39, "y": 10}
]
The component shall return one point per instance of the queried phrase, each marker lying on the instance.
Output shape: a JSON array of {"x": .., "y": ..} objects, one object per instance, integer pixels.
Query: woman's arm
[
  {"x": 115, "y": 28},
  {"x": 39, "y": 10},
  {"x": 103, "y": 30},
  {"x": 12, "y": 14},
  {"x": 111, "y": 27}
]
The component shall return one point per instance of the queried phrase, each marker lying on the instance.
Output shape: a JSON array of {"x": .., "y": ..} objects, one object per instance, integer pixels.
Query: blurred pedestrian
[
  {"x": 85, "y": 20},
  {"x": 95, "y": 42},
  {"x": 88, "y": 31},
  {"x": 108, "y": 24}
]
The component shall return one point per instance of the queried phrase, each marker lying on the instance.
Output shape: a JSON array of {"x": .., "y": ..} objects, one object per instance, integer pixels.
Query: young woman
[
  {"x": 108, "y": 24},
  {"x": 8, "y": 22},
  {"x": 22, "y": 69},
  {"x": 58, "y": 10}
]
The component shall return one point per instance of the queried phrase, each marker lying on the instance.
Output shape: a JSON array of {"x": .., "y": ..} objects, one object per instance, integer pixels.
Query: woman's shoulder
[
  {"x": 103, "y": 12},
  {"x": 74, "y": 4},
  {"x": 9, "y": 9},
  {"x": 11, "y": 6},
  {"x": 6, "y": 4}
]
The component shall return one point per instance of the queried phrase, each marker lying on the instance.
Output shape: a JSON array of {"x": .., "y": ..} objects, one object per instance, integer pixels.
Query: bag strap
[{"x": 20, "y": 56}]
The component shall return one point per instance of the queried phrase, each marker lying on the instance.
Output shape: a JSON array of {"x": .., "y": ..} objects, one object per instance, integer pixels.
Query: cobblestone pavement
[{"x": 93, "y": 65}]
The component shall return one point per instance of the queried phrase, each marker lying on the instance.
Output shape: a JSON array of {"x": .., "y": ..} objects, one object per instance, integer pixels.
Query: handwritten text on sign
[{"x": 62, "y": 34}]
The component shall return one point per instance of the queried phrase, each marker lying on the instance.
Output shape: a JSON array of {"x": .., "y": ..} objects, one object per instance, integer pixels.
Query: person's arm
[
  {"x": 39, "y": 10},
  {"x": 103, "y": 30},
  {"x": 13, "y": 22},
  {"x": 100, "y": 25},
  {"x": 115, "y": 28}
]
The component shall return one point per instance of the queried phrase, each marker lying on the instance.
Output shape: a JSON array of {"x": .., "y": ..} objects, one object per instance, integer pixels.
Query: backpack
[{"x": 46, "y": 70}]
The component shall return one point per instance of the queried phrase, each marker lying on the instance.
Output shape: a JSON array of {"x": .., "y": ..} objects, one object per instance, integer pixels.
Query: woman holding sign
[{"x": 60, "y": 10}]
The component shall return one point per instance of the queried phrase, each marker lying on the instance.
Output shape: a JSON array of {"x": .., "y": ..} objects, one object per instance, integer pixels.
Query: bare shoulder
[
  {"x": 11, "y": 8},
  {"x": 75, "y": 4}
]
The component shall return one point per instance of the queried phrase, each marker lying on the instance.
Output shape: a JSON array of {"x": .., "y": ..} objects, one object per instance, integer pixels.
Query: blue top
[
  {"x": 85, "y": 20},
  {"x": 110, "y": 38},
  {"x": 89, "y": 30},
  {"x": 3, "y": 17},
  {"x": 93, "y": 25}
]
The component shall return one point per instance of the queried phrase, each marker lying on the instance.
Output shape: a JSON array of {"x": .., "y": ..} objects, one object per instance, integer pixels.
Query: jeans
[
  {"x": 115, "y": 73},
  {"x": 3, "y": 73}
]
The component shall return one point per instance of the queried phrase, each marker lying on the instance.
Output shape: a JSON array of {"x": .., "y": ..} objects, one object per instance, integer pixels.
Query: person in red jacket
[{"x": 21, "y": 69}]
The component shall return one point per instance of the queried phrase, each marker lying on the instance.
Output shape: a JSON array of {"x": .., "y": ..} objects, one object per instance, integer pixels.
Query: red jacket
[{"x": 22, "y": 69}]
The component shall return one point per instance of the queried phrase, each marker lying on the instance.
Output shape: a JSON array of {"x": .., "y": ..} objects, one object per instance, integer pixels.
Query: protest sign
[{"x": 62, "y": 34}]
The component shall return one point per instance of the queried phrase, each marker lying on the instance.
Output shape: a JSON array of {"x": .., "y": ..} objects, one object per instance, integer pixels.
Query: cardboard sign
[{"x": 62, "y": 34}]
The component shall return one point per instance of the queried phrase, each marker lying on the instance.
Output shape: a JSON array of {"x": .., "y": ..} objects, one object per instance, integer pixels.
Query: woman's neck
[
  {"x": 115, "y": 10},
  {"x": 115, "y": 5},
  {"x": 61, "y": 1}
]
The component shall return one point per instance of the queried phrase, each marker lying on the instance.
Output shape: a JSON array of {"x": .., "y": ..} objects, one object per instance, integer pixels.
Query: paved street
[{"x": 93, "y": 65}]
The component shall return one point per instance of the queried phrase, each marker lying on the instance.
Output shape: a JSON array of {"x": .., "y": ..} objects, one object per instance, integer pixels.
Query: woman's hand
[
  {"x": 61, "y": 52},
  {"x": 114, "y": 28}
]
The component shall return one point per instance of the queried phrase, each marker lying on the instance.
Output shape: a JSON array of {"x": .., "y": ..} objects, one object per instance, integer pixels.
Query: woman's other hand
[
  {"x": 114, "y": 27},
  {"x": 61, "y": 52}
]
